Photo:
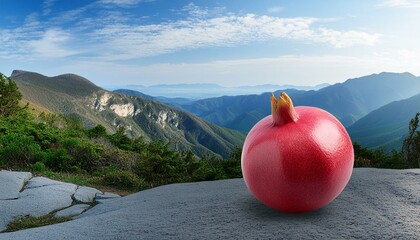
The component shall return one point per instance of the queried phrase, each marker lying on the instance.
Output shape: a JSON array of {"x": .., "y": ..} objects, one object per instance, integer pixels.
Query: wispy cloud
[
  {"x": 122, "y": 3},
  {"x": 110, "y": 35},
  {"x": 47, "y": 6},
  {"x": 128, "y": 41},
  {"x": 400, "y": 3},
  {"x": 51, "y": 44}
]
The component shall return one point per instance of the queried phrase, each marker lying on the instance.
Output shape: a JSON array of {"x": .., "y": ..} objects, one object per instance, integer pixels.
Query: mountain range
[
  {"x": 73, "y": 95},
  {"x": 366, "y": 106},
  {"x": 375, "y": 109},
  {"x": 348, "y": 101}
]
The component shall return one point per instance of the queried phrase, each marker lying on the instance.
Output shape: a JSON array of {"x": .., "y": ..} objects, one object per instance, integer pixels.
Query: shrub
[
  {"x": 122, "y": 159},
  {"x": 159, "y": 165},
  {"x": 83, "y": 153},
  {"x": 58, "y": 159},
  {"x": 39, "y": 167},
  {"x": 121, "y": 178},
  {"x": 121, "y": 140},
  {"x": 18, "y": 150},
  {"x": 96, "y": 132}
]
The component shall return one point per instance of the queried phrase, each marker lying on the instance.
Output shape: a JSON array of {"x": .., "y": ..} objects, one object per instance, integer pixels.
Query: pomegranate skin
[{"x": 298, "y": 166}]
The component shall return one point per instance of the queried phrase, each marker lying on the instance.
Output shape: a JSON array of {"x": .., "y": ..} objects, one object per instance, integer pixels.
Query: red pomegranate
[{"x": 297, "y": 159}]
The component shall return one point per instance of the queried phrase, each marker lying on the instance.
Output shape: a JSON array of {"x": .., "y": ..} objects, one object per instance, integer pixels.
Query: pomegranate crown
[{"x": 283, "y": 110}]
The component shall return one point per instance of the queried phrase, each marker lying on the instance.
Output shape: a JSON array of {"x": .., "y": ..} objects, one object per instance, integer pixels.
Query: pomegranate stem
[{"x": 282, "y": 110}]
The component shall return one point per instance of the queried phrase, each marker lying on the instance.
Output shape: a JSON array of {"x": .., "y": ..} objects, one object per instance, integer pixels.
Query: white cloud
[
  {"x": 50, "y": 45},
  {"x": 110, "y": 35},
  {"x": 400, "y": 3},
  {"x": 124, "y": 41},
  {"x": 195, "y": 11},
  {"x": 342, "y": 39}
]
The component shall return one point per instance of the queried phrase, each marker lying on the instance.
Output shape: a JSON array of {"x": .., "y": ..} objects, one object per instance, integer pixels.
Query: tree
[
  {"x": 411, "y": 146},
  {"x": 96, "y": 132},
  {"x": 9, "y": 96}
]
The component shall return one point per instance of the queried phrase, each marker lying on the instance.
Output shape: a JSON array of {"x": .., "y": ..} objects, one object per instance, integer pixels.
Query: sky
[{"x": 230, "y": 43}]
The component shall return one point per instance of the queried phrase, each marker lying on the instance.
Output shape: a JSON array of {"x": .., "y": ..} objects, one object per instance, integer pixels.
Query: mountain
[
  {"x": 207, "y": 90},
  {"x": 73, "y": 95},
  {"x": 387, "y": 126},
  {"x": 348, "y": 101}
]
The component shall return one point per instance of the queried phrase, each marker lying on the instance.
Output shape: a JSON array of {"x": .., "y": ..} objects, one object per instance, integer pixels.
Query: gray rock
[
  {"x": 72, "y": 211},
  {"x": 40, "y": 197},
  {"x": 86, "y": 194},
  {"x": 376, "y": 204},
  {"x": 101, "y": 198},
  {"x": 12, "y": 183},
  {"x": 38, "y": 182},
  {"x": 107, "y": 195}
]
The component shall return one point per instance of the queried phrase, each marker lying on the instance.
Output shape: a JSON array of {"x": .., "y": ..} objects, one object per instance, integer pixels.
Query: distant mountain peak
[
  {"x": 67, "y": 83},
  {"x": 17, "y": 72}
]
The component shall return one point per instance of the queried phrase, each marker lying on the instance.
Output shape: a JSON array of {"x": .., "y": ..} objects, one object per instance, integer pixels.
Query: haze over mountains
[
  {"x": 207, "y": 90},
  {"x": 73, "y": 95}
]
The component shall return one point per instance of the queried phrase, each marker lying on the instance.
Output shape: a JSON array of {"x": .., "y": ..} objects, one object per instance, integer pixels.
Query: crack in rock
[{"x": 46, "y": 185}]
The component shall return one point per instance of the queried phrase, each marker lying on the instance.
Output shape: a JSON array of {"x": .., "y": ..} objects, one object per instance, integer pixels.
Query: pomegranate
[{"x": 297, "y": 159}]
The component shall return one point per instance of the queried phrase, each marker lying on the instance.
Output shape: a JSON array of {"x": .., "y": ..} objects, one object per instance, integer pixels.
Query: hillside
[
  {"x": 348, "y": 101},
  {"x": 387, "y": 126},
  {"x": 73, "y": 95}
]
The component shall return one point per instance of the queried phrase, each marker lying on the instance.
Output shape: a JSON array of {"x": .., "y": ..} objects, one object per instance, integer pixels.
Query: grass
[{"x": 31, "y": 222}]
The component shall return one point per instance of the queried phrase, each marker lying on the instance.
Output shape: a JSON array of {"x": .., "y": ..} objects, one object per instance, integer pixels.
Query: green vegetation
[
  {"x": 408, "y": 157},
  {"x": 411, "y": 147},
  {"x": 9, "y": 96},
  {"x": 52, "y": 143},
  {"x": 31, "y": 222},
  {"x": 61, "y": 148}
]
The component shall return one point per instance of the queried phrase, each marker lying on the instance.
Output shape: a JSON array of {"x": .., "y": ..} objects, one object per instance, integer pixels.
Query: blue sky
[{"x": 231, "y": 43}]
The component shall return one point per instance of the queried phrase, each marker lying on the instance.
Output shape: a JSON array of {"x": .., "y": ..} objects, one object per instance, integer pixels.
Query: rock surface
[
  {"x": 72, "y": 211},
  {"x": 376, "y": 204},
  {"x": 103, "y": 197},
  {"x": 39, "y": 197},
  {"x": 11, "y": 183},
  {"x": 86, "y": 194}
]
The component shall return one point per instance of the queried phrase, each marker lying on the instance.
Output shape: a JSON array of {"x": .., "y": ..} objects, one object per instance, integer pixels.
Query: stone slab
[
  {"x": 376, "y": 204},
  {"x": 86, "y": 194},
  {"x": 40, "y": 197},
  {"x": 11, "y": 183},
  {"x": 72, "y": 211}
]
